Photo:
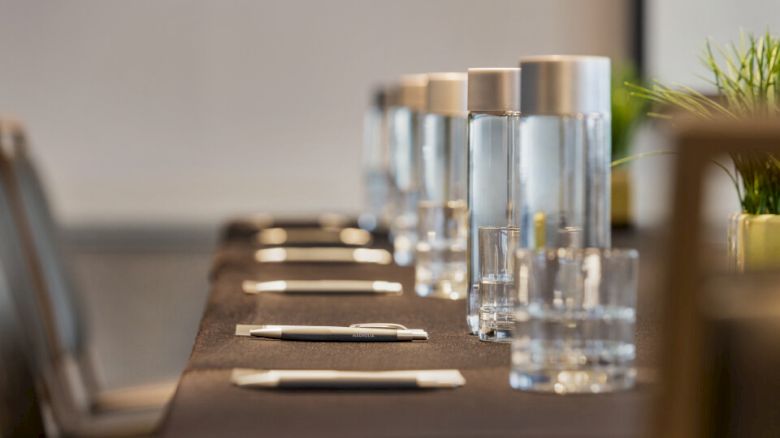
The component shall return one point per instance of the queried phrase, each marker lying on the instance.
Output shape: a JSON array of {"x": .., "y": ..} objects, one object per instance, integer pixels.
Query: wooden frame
[{"x": 682, "y": 404}]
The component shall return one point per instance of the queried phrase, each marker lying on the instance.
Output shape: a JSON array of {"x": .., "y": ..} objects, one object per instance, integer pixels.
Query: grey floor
[{"x": 143, "y": 291}]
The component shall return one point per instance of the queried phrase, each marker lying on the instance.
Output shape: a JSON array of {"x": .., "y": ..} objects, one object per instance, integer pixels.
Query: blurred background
[{"x": 153, "y": 121}]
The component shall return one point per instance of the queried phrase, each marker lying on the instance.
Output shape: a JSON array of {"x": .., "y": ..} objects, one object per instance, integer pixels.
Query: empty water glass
[
  {"x": 574, "y": 320},
  {"x": 497, "y": 247},
  {"x": 441, "y": 250}
]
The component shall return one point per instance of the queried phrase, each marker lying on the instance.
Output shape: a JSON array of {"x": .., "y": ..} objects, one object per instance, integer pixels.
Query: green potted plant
[
  {"x": 747, "y": 79},
  {"x": 627, "y": 112}
]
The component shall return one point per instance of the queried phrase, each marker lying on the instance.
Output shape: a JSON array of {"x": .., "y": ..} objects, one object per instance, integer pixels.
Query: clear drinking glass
[
  {"x": 441, "y": 250},
  {"x": 497, "y": 247},
  {"x": 574, "y": 320}
]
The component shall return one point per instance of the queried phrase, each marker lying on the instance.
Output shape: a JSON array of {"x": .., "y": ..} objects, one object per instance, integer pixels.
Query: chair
[
  {"x": 719, "y": 368},
  {"x": 48, "y": 310},
  {"x": 20, "y": 414}
]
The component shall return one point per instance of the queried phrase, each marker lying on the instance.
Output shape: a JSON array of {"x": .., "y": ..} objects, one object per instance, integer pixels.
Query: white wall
[
  {"x": 150, "y": 110},
  {"x": 677, "y": 31}
]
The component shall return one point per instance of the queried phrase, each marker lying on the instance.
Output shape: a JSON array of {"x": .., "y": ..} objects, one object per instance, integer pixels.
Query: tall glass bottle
[
  {"x": 441, "y": 247},
  {"x": 376, "y": 167},
  {"x": 493, "y": 167},
  {"x": 405, "y": 135},
  {"x": 565, "y": 137}
]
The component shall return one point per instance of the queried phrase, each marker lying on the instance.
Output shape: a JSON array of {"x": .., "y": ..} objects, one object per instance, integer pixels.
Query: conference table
[{"x": 207, "y": 404}]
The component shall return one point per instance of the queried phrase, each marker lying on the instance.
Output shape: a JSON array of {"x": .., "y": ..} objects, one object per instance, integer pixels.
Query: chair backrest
[
  {"x": 698, "y": 365},
  {"x": 44, "y": 238},
  {"x": 45, "y": 304},
  {"x": 20, "y": 413},
  {"x": 17, "y": 262}
]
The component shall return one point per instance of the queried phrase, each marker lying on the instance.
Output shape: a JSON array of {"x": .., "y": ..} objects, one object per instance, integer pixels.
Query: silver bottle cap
[
  {"x": 413, "y": 91},
  {"x": 565, "y": 85},
  {"x": 494, "y": 90},
  {"x": 447, "y": 94}
]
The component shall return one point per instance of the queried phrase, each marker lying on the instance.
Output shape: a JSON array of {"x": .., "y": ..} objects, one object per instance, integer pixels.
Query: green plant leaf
[{"x": 746, "y": 77}]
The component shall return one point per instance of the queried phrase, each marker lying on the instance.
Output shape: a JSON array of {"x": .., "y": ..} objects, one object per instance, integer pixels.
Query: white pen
[
  {"x": 310, "y": 235},
  {"x": 324, "y": 255},
  {"x": 347, "y": 379},
  {"x": 322, "y": 286},
  {"x": 353, "y": 333}
]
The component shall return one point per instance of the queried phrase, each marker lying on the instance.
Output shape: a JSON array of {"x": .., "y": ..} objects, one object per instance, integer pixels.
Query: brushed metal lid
[
  {"x": 565, "y": 84},
  {"x": 413, "y": 91},
  {"x": 447, "y": 93},
  {"x": 494, "y": 90}
]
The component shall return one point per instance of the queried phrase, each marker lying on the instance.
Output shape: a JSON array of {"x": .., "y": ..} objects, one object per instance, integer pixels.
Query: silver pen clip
[{"x": 379, "y": 325}]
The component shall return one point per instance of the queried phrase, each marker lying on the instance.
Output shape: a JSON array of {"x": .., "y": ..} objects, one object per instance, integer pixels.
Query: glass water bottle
[
  {"x": 404, "y": 124},
  {"x": 493, "y": 169},
  {"x": 376, "y": 171},
  {"x": 440, "y": 265},
  {"x": 565, "y": 137}
]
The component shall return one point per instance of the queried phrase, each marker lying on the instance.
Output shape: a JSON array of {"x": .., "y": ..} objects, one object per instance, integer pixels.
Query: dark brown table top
[{"x": 207, "y": 404}]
